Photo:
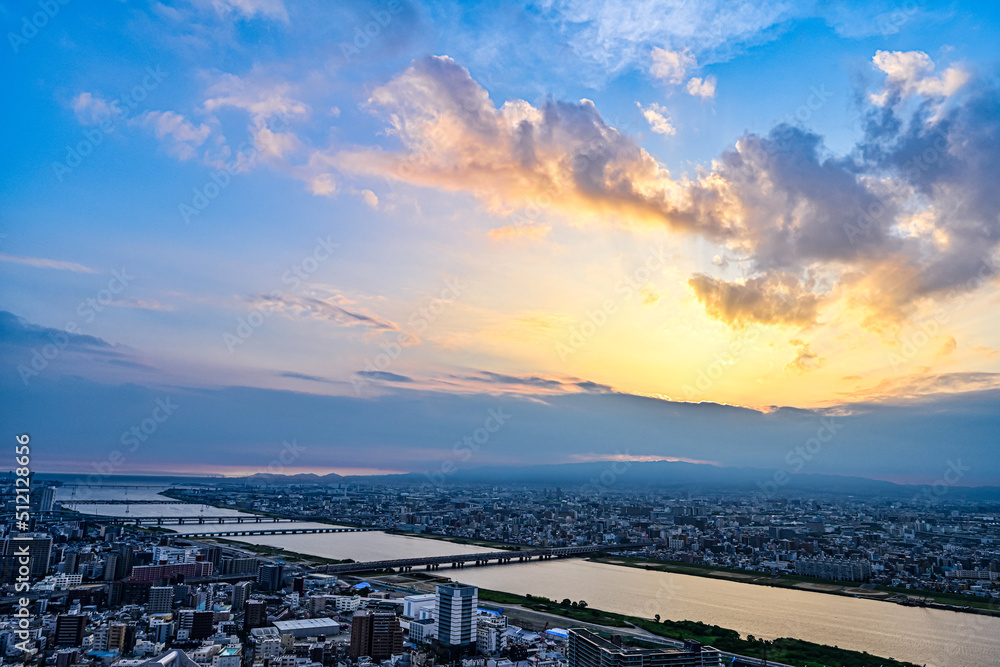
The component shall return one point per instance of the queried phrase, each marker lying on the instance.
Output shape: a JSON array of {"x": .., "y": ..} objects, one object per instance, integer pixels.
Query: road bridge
[
  {"x": 119, "y": 501},
  {"x": 484, "y": 558},
  {"x": 182, "y": 487}
]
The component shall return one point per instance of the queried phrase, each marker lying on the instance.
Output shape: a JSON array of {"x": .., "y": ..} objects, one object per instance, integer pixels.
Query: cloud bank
[{"x": 910, "y": 215}]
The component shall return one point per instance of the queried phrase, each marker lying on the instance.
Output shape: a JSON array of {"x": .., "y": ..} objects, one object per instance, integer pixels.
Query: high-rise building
[
  {"x": 213, "y": 555},
  {"x": 587, "y": 649},
  {"x": 69, "y": 562},
  {"x": 269, "y": 577},
  {"x": 241, "y": 593},
  {"x": 248, "y": 565},
  {"x": 154, "y": 573},
  {"x": 42, "y": 497},
  {"x": 111, "y": 567},
  {"x": 376, "y": 634},
  {"x": 110, "y": 637},
  {"x": 69, "y": 629},
  {"x": 317, "y": 604},
  {"x": 456, "y": 614},
  {"x": 199, "y": 624},
  {"x": 161, "y": 630},
  {"x": 256, "y": 614},
  {"x": 38, "y": 547},
  {"x": 161, "y": 599},
  {"x": 127, "y": 560}
]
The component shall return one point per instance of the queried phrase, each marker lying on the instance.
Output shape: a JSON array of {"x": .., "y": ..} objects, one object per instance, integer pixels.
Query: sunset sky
[{"x": 361, "y": 225}]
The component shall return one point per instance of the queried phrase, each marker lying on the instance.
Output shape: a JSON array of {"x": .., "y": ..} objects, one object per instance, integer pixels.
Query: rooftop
[{"x": 305, "y": 624}]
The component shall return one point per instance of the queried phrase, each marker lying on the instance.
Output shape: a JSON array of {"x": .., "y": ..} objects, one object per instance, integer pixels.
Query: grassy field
[{"x": 790, "y": 651}]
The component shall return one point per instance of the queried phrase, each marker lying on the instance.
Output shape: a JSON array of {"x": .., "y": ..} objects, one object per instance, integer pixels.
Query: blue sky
[{"x": 550, "y": 205}]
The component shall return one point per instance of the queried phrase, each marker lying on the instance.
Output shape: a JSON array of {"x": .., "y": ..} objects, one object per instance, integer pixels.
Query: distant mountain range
[{"x": 667, "y": 475}]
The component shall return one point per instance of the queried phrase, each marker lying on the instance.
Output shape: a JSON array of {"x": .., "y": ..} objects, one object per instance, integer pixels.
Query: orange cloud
[
  {"x": 779, "y": 202},
  {"x": 771, "y": 299}
]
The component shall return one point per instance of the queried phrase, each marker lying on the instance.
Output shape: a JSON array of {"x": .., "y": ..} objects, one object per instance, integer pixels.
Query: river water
[{"x": 923, "y": 636}]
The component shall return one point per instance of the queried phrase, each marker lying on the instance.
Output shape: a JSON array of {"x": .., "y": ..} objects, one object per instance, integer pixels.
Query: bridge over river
[
  {"x": 177, "y": 520},
  {"x": 484, "y": 558},
  {"x": 119, "y": 501},
  {"x": 275, "y": 531}
]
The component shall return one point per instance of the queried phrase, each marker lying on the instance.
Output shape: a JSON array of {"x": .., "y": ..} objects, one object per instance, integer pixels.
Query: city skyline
[{"x": 248, "y": 235}]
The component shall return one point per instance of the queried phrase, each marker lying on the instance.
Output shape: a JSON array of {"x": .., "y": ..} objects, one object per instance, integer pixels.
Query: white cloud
[
  {"x": 618, "y": 34},
  {"x": 271, "y": 107},
  {"x": 263, "y": 100},
  {"x": 272, "y": 9},
  {"x": 658, "y": 121},
  {"x": 324, "y": 305},
  {"x": 182, "y": 137},
  {"x": 91, "y": 110},
  {"x": 670, "y": 66},
  {"x": 322, "y": 185},
  {"x": 703, "y": 88},
  {"x": 42, "y": 263},
  {"x": 911, "y": 73}
]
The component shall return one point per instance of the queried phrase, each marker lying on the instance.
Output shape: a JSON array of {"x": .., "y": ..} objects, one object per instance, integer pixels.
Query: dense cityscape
[
  {"x": 123, "y": 592},
  {"x": 926, "y": 543}
]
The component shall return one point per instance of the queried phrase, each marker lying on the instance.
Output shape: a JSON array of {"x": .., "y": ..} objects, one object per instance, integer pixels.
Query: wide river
[{"x": 922, "y": 636}]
